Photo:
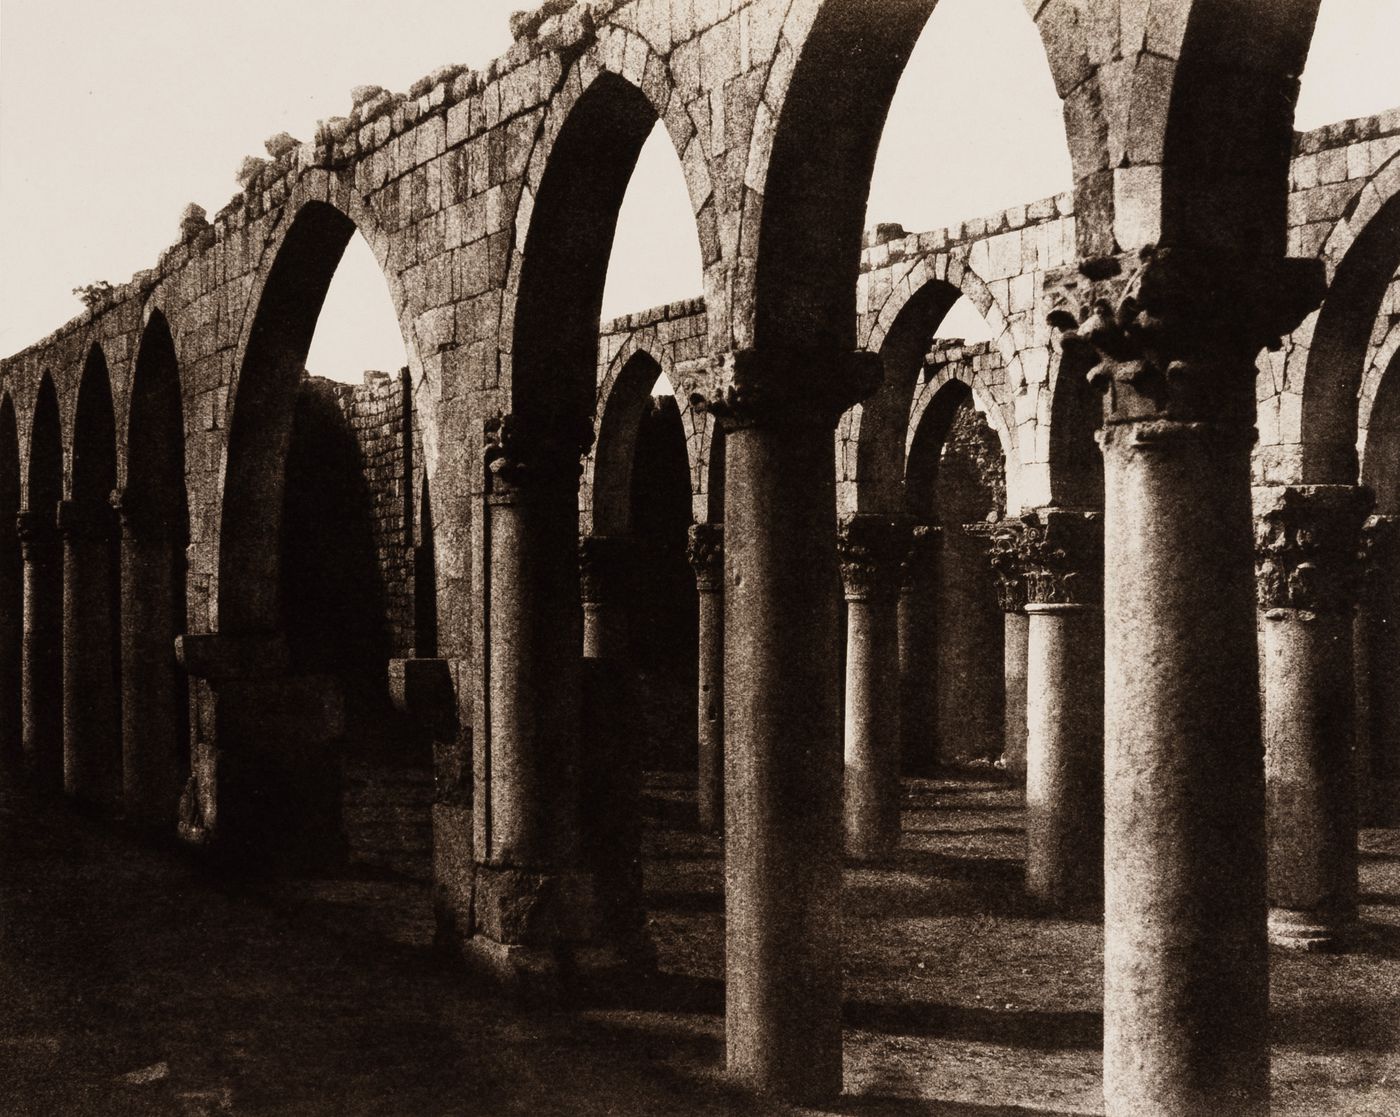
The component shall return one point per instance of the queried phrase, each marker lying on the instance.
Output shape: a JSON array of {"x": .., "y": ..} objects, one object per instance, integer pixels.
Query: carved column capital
[
  {"x": 871, "y": 549},
  {"x": 1308, "y": 542},
  {"x": 86, "y": 520},
  {"x": 706, "y": 554},
  {"x": 767, "y": 387},
  {"x": 603, "y": 562},
  {"x": 1062, "y": 557},
  {"x": 1174, "y": 353},
  {"x": 520, "y": 457},
  {"x": 1004, "y": 552}
]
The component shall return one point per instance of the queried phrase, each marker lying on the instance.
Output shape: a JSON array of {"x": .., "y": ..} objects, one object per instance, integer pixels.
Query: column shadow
[{"x": 1035, "y": 1030}]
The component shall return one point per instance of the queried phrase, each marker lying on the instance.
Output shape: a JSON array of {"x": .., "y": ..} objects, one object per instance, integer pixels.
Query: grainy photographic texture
[{"x": 754, "y": 703}]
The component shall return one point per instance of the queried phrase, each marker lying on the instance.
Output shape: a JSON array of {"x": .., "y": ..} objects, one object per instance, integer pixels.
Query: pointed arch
[
  {"x": 884, "y": 417},
  {"x": 42, "y": 687},
  {"x": 94, "y": 433},
  {"x": 44, "y": 476},
  {"x": 811, "y": 180},
  {"x": 1076, "y": 409},
  {"x": 1362, "y": 256},
  {"x": 1224, "y": 139},
  {"x": 563, "y": 270},
  {"x": 273, "y": 360},
  {"x": 928, "y": 437},
  {"x": 155, "y": 428},
  {"x": 619, "y": 425},
  {"x": 92, "y": 747},
  {"x": 1381, "y": 466},
  {"x": 155, "y": 531}
]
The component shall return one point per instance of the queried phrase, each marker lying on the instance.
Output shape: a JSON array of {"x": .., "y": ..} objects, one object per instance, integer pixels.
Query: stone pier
[
  {"x": 154, "y": 709},
  {"x": 92, "y": 770},
  {"x": 41, "y": 653}
]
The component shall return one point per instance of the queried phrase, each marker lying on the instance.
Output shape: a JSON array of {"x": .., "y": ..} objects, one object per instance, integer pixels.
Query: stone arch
[
  {"x": 43, "y": 637},
  {"x": 155, "y": 532},
  {"x": 623, "y": 399},
  {"x": 155, "y": 428},
  {"x": 11, "y": 590},
  {"x": 44, "y": 475},
  {"x": 809, "y": 180},
  {"x": 900, "y": 333},
  {"x": 714, "y": 473},
  {"x": 1380, "y": 466},
  {"x": 1224, "y": 136},
  {"x": 283, "y": 310},
  {"x": 1361, "y": 256},
  {"x": 575, "y": 183},
  {"x": 1378, "y": 375},
  {"x": 937, "y": 393},
  {"x": 968, "y": 625},
  {"x": 94, "y": 463},
  {"x": 930, "y": 422},
  {"x": 92, "y": 596}
]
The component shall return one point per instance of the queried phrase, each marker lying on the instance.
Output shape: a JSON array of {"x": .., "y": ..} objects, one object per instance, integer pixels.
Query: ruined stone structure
[{"x": 1211, "y": 275}]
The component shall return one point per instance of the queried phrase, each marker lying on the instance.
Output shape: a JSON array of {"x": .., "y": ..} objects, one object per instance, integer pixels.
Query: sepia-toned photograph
[{"x": 700, "y": 558}]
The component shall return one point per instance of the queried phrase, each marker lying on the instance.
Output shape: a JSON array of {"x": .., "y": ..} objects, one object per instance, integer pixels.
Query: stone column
[
  {"x": 91, "y": 703},
  {"x": 611, "y": 768},
  {"x": 870, "y": 549},
  {"x": 707, "y": 560},
  {"x": 783, "y": 768},
  {"x": 971, "y": 679},
  {"x": 1308, "y": 541},
  {"x": 918, "y": 617},
  {"x": 1011, "y": 596},
  {"x": 152, "y": 705},
  {"x": 1378, "y": 651},
  {"x": 534, "y": 905},
  {"x": 1186, "y": 989},
  {"x": 41, "y": 655},
  {"x": 603, "y": 583},
  {"x": 1062, "y": 557}
]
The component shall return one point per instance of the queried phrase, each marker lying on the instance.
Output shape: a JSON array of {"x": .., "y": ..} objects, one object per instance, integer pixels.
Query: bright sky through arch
[{"x": 114, "y": 116}]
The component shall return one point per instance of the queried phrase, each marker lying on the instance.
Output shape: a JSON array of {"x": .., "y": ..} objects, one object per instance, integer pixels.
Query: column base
[
  {"x": 542, "y": 934},
  {"x": 1311, "y": 931}
]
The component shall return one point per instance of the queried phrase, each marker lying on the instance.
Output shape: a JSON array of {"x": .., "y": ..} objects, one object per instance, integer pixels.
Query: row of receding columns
[
  {"x": 1049, "y": 575},
  {"x": 1184, "y": 838},
  {"x": 1185, "y": 887},
  {"x": 99, "y": 685}
]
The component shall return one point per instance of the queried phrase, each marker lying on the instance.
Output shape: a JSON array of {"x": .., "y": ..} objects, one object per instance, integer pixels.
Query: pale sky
[{"x": 116, "y": 113}]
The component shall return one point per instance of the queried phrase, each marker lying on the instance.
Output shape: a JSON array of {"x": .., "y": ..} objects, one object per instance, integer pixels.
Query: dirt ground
[{"x": 132, "y": 983}]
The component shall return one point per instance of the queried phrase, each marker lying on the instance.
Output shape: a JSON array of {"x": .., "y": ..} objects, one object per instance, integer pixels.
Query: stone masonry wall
[{"x": 380, "y": 414}]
